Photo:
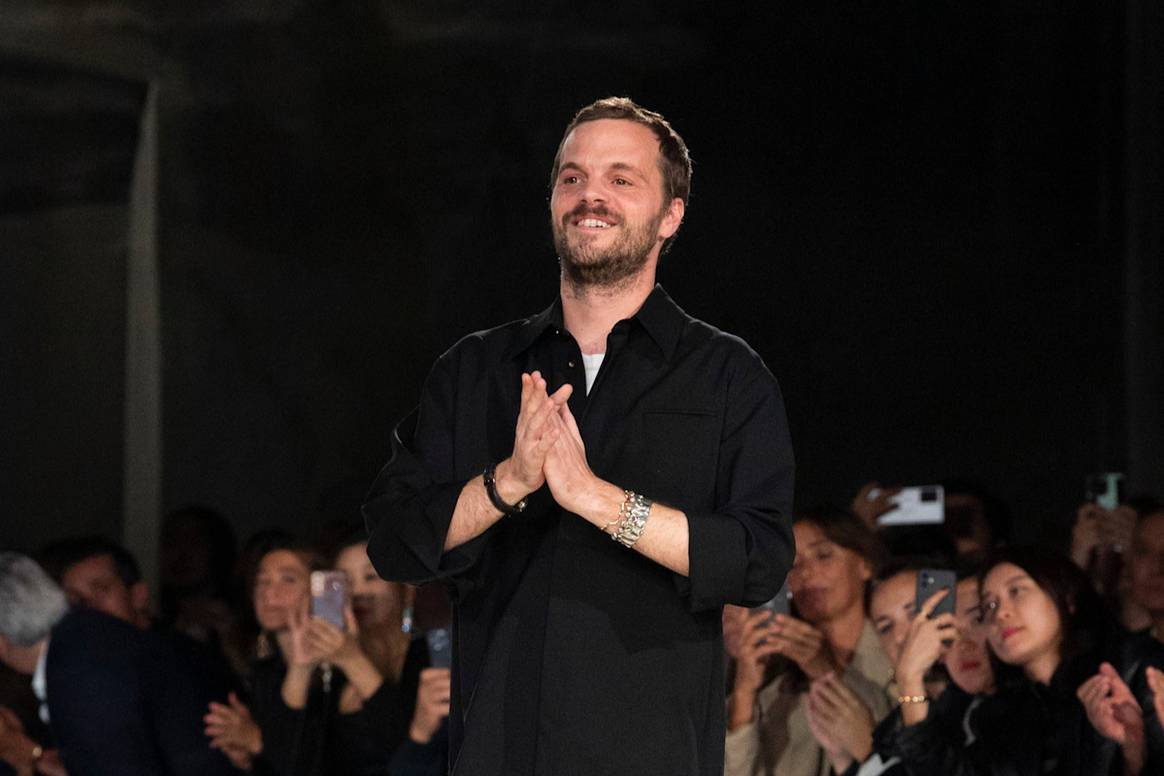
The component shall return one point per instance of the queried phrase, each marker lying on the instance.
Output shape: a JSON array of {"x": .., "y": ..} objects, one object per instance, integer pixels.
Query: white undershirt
[{"x": 591, "y": 363}]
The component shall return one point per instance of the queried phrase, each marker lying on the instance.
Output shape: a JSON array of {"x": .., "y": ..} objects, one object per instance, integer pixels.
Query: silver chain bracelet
[{"x": 632, "y": 516}]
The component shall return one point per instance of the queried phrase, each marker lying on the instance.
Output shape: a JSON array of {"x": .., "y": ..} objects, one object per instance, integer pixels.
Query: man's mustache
[{"x": 584, "y": 210}]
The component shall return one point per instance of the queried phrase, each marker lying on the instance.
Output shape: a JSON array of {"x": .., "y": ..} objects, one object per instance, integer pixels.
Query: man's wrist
[
  {"x": 599, "y": 502},
  {"x": 509, "y": 488}
]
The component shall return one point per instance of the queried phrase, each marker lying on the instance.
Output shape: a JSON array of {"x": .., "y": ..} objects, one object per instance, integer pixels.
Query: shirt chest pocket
[{"x": 682, "y": 447}]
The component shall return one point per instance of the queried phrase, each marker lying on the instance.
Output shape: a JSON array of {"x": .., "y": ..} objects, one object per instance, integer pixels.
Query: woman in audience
[
  {"x": 828, "y": 640},
  {"x": 1073, "y": 695},
  {"x": 916, "y": 643},
  {"x": 325, "y": 700},
  {"x": 1146, "y": 570}
]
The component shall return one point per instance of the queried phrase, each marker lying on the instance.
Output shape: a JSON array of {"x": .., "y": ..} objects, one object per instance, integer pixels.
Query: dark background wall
[{"x": 913, "y": 211}]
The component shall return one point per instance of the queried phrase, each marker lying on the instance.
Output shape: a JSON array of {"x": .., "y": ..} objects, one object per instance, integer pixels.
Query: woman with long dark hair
[
  {"x": 324, "y": 700},
  {"x": 1072, "y": 693}
]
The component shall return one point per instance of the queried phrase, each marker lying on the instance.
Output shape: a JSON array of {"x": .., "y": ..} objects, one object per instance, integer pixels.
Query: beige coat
[{"x": 778, "y": 742}]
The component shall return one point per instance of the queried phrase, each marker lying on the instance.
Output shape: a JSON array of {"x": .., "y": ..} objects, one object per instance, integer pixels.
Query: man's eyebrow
[
  {"x": 621, "y": 166},
  {"x": 628, "y": 168}
]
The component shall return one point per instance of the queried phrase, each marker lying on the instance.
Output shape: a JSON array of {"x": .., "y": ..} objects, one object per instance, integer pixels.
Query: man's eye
[
  {"x": 621, "y": 182},
  {"x": 570, "y": 180}
]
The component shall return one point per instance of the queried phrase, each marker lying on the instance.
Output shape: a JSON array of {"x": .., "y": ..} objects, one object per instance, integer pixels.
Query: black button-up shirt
[{"x": 573, "y": 654}]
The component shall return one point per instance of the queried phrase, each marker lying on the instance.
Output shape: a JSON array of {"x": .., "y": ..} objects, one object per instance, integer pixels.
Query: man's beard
[{"x": 585, "y": 265}]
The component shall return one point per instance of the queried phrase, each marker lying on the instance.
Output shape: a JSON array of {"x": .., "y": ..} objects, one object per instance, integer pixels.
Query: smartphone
[
  {"x": 1106, "y": 489},
  {"x": 916, "y": 505},
  {"x": 440, "y": 647},
  {"x": 781, "y": 603},
  {"x": 329, "y": 595},
  {"x": 930, "y": 581}
]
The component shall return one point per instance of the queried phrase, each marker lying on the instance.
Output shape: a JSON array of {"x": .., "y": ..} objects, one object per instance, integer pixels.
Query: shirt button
[{"x": 570, "y": 364}]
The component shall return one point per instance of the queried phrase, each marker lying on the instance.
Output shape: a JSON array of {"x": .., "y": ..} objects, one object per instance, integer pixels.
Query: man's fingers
[
  {"x": 568, "y": 417},
  {"x": 562, "y": 395}
]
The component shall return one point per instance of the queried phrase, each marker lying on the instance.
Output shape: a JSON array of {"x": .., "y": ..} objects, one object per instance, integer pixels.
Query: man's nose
[{"x": 592, "y": 192}]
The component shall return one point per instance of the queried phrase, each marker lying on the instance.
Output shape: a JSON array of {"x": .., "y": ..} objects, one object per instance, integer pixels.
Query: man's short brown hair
[{"x": 674, "y": 161}]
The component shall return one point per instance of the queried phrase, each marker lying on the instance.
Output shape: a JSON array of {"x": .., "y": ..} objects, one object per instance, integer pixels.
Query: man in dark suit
[{"x": 118, "y": 699}]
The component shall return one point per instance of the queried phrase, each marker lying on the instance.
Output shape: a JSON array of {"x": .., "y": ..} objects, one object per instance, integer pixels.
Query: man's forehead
[
  {"x": 614, "y": 137},
  {"x": 94, "y": 564}
]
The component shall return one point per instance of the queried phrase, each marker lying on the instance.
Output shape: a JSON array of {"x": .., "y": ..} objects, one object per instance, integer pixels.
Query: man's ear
[{"x": 672, "y": 218}]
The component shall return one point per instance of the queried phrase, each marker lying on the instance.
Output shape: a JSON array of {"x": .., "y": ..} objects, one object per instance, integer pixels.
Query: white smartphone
[{"x": 915, "y": 505}]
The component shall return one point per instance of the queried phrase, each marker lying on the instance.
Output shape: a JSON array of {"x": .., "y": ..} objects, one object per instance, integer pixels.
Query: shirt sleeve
[
  {"x": 411, "y": 503},
  {"x": 740, "y": 553},
  {"x": 741, "y": 750}
]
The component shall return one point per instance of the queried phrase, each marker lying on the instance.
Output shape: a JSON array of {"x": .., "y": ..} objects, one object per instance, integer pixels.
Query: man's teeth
[{"x": 593, "y": 222}]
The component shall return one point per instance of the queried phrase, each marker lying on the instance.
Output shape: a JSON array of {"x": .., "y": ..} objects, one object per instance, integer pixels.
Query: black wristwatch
[{"x": 491, "y": 488}]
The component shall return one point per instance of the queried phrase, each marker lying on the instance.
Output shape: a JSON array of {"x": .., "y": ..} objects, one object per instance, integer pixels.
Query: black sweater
[{"x": 320, "y": 741}]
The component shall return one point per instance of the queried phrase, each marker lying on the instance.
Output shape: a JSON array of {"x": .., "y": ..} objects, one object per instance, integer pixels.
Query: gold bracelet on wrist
[{"x": 904, "y": 699}]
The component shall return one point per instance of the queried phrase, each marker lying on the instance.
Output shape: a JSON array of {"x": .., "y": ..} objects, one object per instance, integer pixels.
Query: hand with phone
[
  {"x": 755, "y": 645},
  {"x": 803, "y": 644},
  {"x": 929, "y": 634},
  {"x": 316, "y": 638},
  {"x": 432, "y": 704},
  {"x": 872, "y": 501}
]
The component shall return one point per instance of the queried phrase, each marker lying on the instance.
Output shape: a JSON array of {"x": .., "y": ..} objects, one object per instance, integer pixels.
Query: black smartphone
[
  {"x": 440, "y": 647},
  {"x": 930, "y": 581},
  {"x": 781, "y": 603}
]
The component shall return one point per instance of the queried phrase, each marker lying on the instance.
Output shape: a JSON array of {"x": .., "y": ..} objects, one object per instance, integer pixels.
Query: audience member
[
  {"x": 325, "y": 700},
  {"x": 974, "y": 521},
  {"x": 117, "y": 699},
  {"x": 196, "y": 563},
  {"x": 1146, "y": 571},
  {"x": 915, "y": 641},
  {"x": 100, "y": 574},
  {"x": 829, "y": 642},
  {"x": 1072, "y": 692}
]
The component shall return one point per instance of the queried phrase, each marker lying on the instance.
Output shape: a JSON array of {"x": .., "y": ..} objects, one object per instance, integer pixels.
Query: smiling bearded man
[
  {"x": 610, "y": 415},
  {"x": 587, "y": 265}
]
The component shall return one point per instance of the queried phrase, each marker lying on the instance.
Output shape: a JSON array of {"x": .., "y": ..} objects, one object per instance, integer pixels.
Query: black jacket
[
  {"x": 320, "y": 741},
  {"x": 124, "y": 702}
]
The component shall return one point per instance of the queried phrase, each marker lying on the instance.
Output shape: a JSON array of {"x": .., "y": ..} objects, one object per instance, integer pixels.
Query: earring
[{"x": 406, "y": 619}]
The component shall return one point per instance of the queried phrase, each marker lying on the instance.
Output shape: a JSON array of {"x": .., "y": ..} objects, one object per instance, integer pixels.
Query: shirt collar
[{"x": 660, "y": 317}]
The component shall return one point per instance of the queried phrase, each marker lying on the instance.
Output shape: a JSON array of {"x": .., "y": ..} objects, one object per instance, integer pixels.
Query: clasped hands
[{"x": 547, "y": 449}]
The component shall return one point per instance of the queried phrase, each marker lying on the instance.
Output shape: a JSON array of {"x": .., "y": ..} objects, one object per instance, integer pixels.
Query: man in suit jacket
[{"x": 119, "y": 700}]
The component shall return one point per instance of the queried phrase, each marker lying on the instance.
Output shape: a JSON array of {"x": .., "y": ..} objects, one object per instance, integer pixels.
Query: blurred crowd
[
  {"x": 226, "y": 668},
  {"x": 943, "y": 648},
  {"x": 938, "y": 647}
]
